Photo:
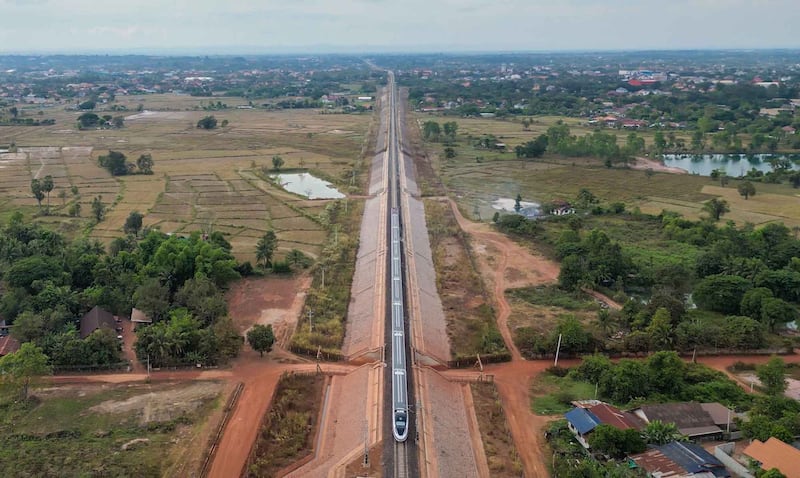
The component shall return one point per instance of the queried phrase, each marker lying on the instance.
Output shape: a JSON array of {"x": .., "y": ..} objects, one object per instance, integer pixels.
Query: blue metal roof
[
  {"x": 693, "y": 458},
  {"x": 582, "y": 419}
]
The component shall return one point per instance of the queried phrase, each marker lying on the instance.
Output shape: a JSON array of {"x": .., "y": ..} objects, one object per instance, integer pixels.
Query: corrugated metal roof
[
  {"x": 582, "y": 419},
  {"x": 693, "y": 458}
]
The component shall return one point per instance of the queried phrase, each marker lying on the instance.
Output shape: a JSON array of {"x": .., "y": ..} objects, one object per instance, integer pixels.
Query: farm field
[
  {"x": 477, "y": 183},
  {"x": 203, "y": 180}
]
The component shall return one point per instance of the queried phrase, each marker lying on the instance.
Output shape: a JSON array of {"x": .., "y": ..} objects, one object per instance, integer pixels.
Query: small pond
[
  {"x": 734, "y": 165},
  {"x": 307, "y": 185}
]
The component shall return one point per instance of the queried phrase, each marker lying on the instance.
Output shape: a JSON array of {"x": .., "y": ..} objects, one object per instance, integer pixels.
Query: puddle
[{"x": 308, "y": 185}]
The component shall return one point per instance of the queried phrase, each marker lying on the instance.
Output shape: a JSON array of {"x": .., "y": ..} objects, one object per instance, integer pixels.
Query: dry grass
[
  {"x": 501, "y": 454},
  {"x": 202, "y": 178}
]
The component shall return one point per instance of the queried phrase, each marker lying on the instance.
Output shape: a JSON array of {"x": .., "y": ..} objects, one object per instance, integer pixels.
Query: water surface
[
  {"x": 307, "y": 185},
  {"x": 734, "y": 165}
]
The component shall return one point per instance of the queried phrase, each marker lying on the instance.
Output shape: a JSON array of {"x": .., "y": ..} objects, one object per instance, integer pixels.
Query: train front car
[{"x": 400, "y": 428}]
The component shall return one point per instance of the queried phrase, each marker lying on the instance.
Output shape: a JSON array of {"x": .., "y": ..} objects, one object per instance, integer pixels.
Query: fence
[
  {"x": 212, "y": 449},
  {"x": 470, "y": 361}
]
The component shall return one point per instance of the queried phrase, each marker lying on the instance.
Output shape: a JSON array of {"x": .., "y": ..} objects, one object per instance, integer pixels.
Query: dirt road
[{"x": 525, "y": 269}]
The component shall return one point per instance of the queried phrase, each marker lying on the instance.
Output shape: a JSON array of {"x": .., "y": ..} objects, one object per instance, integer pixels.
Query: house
[
  {"x": 722, "y": 416},
  {"x": 583, "y": 420},
  {"x": 139, "y": 317},
  {"x": 8, "y": 345},
  {"x": 774, "y": 453},
  {"x": 680, "y": 460},
  {"x": 95, "y": 319},
  {"x": 690, "y": 418}
]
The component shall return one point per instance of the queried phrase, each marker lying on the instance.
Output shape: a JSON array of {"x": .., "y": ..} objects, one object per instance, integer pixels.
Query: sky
[{"x": 285, "y": 26}]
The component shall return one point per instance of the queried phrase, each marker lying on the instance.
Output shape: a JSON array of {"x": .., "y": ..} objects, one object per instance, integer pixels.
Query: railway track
[{"x": 397, "y": 335}]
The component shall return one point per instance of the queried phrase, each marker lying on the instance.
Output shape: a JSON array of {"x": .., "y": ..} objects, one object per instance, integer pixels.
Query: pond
[
  {"x": 307, "y": 185},
  {"x": 734, "y": 165}
]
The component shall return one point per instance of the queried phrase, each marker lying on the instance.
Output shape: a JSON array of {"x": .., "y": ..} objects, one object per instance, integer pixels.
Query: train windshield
[{"x": 400, "y": 421}]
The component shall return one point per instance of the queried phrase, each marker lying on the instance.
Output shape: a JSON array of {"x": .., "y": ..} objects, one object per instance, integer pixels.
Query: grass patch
[
  {"x": 288, "y": 431},
  {"x": 501, "y": 454},
  {"x": 552, "y": 296},
  {"x": 552, "y": 395},
  {"x": 57, "y": 434}
]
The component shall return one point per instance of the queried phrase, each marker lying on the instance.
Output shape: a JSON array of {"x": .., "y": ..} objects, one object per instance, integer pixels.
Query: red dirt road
[{"x": 525, "y": 268}]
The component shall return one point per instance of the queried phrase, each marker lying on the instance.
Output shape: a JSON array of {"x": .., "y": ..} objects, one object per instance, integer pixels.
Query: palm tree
[
  {"x": 660, "y": 433},
  {"x": 266, "y": 248}
]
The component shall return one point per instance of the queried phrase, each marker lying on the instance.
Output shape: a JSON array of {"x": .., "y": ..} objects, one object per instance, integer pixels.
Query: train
[{"x": 399, "y": 379}]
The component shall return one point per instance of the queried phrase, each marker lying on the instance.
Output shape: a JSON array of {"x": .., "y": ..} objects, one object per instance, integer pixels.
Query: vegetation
[
  {"x": 208, "y": 122},
  {"x": 50, "y": 283},
  {"x": 19, "y": 369},
  {"x": 661, "y": 377},
  {"x": 117, "y": 164},
  {"x": 261, "y": 337},
  {"x": 74, "y": 431},
  {"x": 501, "y": 454},
  {"x": 288, "y": 429},
  {"x": 571, "y": 459}
]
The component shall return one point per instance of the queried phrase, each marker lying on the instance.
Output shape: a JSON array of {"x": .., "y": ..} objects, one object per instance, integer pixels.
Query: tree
[
  {"x": 277, "y": 162},
  {"x": 261, "y": 338},
  {"x": 47, "y": 187},
  {"x": 716, "y": 208},
  {"x": 532, "y": 149},
  {"x": 75, "y": 210},
  {"x": 224, "y": 123},
  {"x": 572, "y": 272},
  {"x": 518, "y": 203},
  {"x": 145, "y": 164},
  {"x": 133, "y": 224},
  {"x": 87, "y": 105},
  {"x": 659, "y": 142},
  {"x": 660, "y": 329},
  {"x": 625, "y": 381},
  {"x": 746, "y": 189},
  {"x": 266, "y": 248},
  {"x": 773, "y": 376},
  {"x": 38, "y": 191},
  {"x": 119, "y": 121},
  {"x": 62, "y": 194},
  {"x": 98, "y": 208},
  {"x": 14, "y": 112},
  {"x": 776, "y": 311},
  {"x": 88, "y": 120},
  {"x": 616, "y": 443},
  {"x": 21, "y": 368},
  {"x": 431, "y": 130},
  {"x": 450, "y": 128},
  {"x": 209, "y": 122},
  {"x": 721, "y": 293},
  {"x": 667, "y": 372},
  {"x": 751, "y": 301},
  {"x": 659, "y": 433},
  {"x": 449, "y": 153},
  {"x": 114, "y": 162},
  {"x": 771, "y": 473}
]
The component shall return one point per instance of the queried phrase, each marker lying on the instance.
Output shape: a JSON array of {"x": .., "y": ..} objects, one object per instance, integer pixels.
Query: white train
[{"x": 399, "y": 381}]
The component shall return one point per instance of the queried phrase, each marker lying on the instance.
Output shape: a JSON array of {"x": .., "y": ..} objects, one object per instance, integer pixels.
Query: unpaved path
[{"x": 506, "y": 264}]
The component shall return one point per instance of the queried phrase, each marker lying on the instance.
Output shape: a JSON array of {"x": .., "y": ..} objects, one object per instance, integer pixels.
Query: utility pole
[
  {"x": 558, "y": 349},
  {"x": 311, "y": 319}
]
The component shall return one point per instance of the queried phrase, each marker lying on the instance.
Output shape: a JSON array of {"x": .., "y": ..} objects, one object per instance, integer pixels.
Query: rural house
[
  {"x": 95, "y": 319},
  {"x": 138, "y": 317},
  {"x": 690, "y": 418},
  {"x": 583, "y": 420},
  {"x": 680, "y": 460},
  {"x": 774, "y": 453}
]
